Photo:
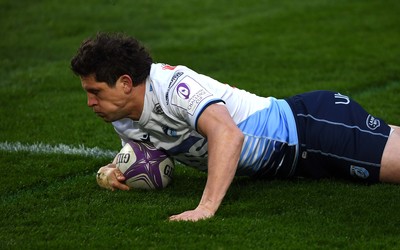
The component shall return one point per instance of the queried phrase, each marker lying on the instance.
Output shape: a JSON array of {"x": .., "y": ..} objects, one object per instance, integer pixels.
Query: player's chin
[{"x": 107, "y": 118}]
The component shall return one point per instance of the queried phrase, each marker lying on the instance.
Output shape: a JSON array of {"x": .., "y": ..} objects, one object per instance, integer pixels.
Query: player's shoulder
[
  {"x": 164, "y": 76},
  {"x": 165, "y": 71}
]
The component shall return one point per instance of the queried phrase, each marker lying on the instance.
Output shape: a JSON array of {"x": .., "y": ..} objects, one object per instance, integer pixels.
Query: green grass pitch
[{"x": 50, "y": 200}]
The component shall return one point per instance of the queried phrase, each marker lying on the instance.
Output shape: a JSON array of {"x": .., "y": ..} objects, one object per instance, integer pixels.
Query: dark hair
[{"x": 109, "y": 56}]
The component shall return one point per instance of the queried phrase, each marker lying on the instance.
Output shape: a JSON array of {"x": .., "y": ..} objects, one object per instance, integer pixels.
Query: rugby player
[{"x": 228, "y": 131}]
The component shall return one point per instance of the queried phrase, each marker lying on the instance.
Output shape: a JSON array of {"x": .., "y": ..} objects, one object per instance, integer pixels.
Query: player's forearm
[{"x": 224, "y": 152}]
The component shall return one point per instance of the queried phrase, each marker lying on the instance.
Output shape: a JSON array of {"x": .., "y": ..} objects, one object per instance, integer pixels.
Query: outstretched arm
[{"x": 225, "y": 142}]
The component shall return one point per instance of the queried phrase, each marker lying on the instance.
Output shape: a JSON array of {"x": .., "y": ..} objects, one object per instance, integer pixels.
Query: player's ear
[{"x": 127, "y": 83}]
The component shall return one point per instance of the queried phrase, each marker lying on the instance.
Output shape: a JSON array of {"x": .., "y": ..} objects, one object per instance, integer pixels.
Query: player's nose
[{"x": 91, "y": 100}]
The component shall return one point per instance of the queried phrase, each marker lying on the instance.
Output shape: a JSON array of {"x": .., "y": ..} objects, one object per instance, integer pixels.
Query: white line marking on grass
[{"x": 56, "y": 149}]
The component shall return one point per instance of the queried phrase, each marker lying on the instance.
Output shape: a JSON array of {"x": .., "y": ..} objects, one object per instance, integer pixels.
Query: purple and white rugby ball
[{"x": 144, "y": 166}]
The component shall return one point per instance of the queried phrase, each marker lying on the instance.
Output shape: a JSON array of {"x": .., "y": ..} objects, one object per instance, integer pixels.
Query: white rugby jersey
[{"x": 175, "y": 98}]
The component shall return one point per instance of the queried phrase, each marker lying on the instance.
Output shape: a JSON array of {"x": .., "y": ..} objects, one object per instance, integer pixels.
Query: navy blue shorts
[{"x": 337, "y": 137}]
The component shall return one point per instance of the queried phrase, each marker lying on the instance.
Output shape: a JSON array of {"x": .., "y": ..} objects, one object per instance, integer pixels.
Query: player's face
[{"x": 109, "y": 103}]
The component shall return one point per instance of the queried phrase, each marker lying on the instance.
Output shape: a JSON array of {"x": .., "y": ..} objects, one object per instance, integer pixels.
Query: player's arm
[
  {"x": 225, "y": 142},
  {"x": 110, "y": 177}
]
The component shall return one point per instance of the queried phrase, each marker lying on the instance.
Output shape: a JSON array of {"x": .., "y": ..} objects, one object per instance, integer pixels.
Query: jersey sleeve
[{"x": 190, "y": 96}]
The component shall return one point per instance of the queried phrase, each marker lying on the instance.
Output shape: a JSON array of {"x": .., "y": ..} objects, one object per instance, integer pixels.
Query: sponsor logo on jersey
[
  {"x": 169, "y": 131},
  {"x": 372, "y": 122},
  {"x": 158, "y": 110},
  {"x": 145, "y": 137},
  {"x": 168, "y": 67},
  {"x": 359, "y": 172},
  {"x": 196, "y": 99},
  {"x": 188, "y": 94},
  {"x": 183, "y": 90},
  {"x": 174, "y": 78}
]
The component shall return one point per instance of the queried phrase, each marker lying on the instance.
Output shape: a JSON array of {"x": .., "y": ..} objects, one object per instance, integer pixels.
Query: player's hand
[
  {"x": 200, "y": 213},
  {"x": 110, "y": 177}
]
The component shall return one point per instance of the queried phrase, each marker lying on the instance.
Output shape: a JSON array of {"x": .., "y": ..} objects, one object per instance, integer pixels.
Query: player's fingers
[
  {"x": 120, "y": 186},
  {"x": 183, "y": 218},
  {"x": 177, "y": 217},
  {"x": 192, "y": 215},
  {"x": 115, "y": 180},
  {"x": 119, "y": 175}
]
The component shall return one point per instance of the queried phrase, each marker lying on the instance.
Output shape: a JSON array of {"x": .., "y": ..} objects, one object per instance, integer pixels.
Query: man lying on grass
[{"x": 227, "y": 131}]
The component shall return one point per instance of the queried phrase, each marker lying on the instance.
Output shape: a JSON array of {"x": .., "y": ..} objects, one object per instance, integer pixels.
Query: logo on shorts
[
  {"x": 359, "y": 172},
  {"x": 341, "y": 99},
  {"x": 183, "y": 90},
  {"x": 372, "y": 122}
]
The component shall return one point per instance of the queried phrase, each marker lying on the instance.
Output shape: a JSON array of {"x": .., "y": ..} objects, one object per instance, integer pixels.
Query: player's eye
[{"x": 94, "y": 91}]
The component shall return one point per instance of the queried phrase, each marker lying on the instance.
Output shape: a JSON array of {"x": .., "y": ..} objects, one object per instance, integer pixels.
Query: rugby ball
[{"x": 144, "y": 166}]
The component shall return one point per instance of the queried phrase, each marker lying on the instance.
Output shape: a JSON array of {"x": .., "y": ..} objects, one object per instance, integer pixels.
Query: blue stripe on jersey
[{"x": 266, "y": 133}]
